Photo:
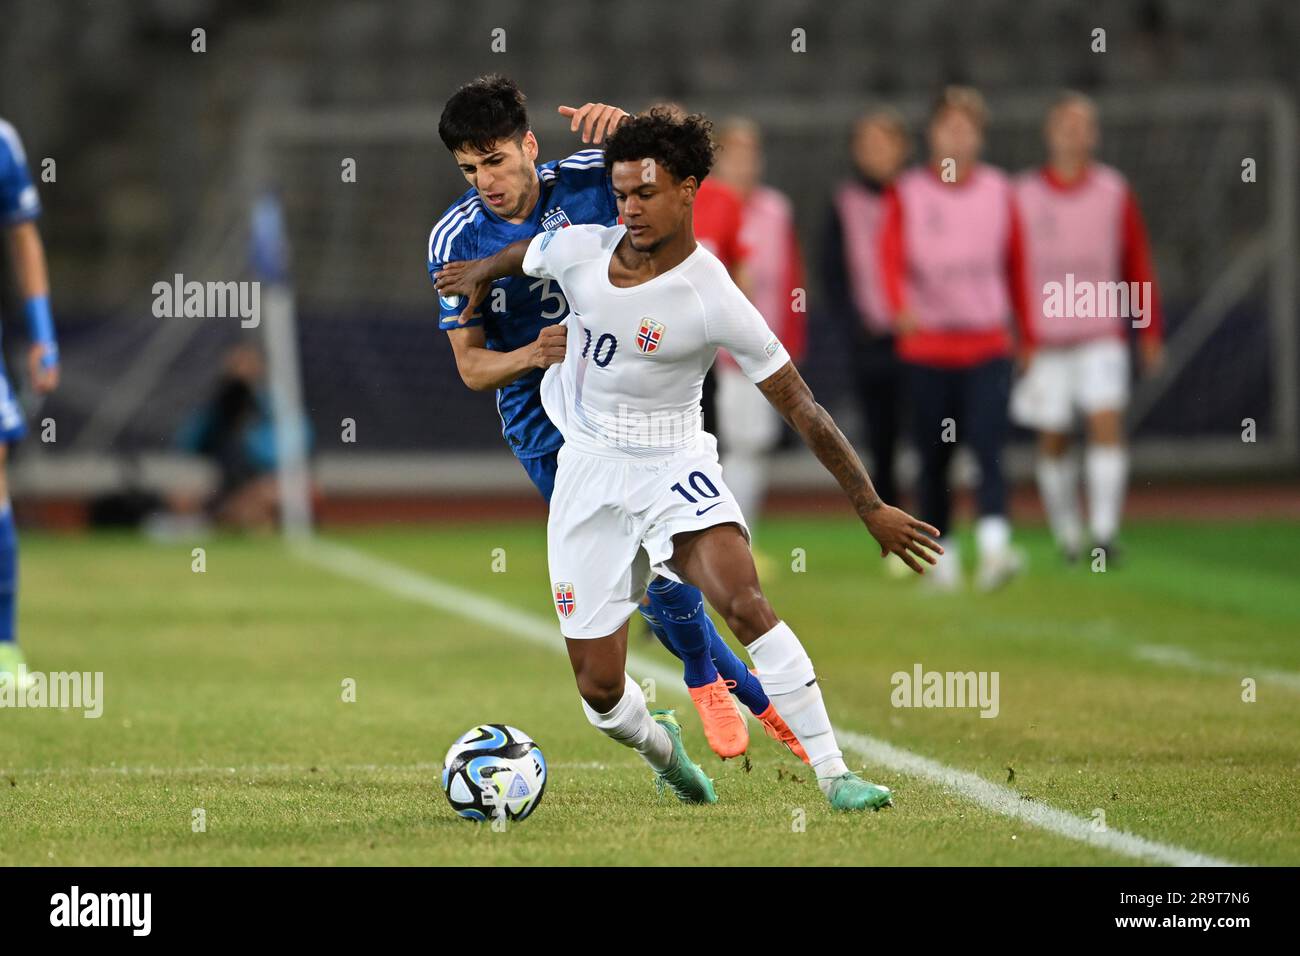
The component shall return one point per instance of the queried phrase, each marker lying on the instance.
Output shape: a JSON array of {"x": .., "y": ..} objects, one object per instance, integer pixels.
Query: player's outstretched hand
[
  {"x": 901, "y": 534},
  {"x": 475, "y": 299},
  {"x": 461, "y": 278},
  {"x": 549, "y": 348},
  {"x": 468, "y": 278},
  {"x": 597, "y": 120}
]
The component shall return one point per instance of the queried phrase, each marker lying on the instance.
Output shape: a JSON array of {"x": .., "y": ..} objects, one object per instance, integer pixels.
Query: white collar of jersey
[{"x": 640, "y": 286}]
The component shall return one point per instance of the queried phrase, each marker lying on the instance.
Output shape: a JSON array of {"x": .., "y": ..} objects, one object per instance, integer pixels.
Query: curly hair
[
  {"x": 683, "y": 145},
  {"x": 482, "y": 112}
]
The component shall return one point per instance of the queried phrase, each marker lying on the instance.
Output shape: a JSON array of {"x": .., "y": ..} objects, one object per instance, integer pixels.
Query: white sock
[
  {"x": 787, "y": 675},
  {"x": 992, "y": 536},
  {"x": 1058, "y": 483},
  {"x": 1107, "y": 470},
  {"x": 631, "y": 725}
]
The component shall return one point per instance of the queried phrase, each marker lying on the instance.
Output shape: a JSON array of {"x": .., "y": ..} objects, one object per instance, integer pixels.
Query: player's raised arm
[
  {"x": 597, "y": 120},
  {"x": 897, "y": 531},
  {"x": 482, "y": 368},
  {"x": 734, "y": 324},
  {"x": 471, "y": 277}
]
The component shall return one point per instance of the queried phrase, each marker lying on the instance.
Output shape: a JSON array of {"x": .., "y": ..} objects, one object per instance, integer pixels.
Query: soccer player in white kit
[{"x": 639, "y": 489}]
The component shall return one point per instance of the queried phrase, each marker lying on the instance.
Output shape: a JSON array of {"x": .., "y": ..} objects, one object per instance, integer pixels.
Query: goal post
[{"x": 280, "y": 335}]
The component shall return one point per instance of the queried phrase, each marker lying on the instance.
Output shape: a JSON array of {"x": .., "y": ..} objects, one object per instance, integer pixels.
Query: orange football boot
[
  {"x": 724, "y": 727},
  {"x": 777, "y": 729}
]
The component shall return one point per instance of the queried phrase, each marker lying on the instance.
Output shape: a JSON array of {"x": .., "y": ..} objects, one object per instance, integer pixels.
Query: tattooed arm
[{"x": 896, "y": 531}]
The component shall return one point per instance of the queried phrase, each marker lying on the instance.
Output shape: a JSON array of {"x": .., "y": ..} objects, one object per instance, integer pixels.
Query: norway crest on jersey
[
  {"x": 564, "y": 602},
  {"x": 648, "y": 338},
  {"x": 554, "y": 219}
]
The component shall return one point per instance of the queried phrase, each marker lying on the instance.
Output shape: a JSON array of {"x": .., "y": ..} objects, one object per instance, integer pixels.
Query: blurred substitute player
[
  {"x": 748, "y": 427},
  {"x": 953, "y": 264},
  {"x": 1083, "y": 230},
  {"x": 19, "y": 208},
  {"x": 639, "y": 487},
  {"x": 506, "y": 345},
  {"x": 854, "y": 287}
]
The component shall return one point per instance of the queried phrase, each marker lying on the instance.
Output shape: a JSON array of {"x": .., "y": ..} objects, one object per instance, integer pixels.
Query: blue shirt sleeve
[
  {"x": 607, "y": 185},
  {"x": 18, "y": 199},
  {"x": 585, "y": 172},
  {"x": 452, "y": 240}
]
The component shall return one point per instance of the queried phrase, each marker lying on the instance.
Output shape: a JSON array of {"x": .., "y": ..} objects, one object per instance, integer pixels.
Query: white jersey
[{"x": 631, "y": 380}]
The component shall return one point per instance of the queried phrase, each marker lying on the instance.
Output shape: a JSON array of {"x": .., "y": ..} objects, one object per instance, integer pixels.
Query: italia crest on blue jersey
[{"x": 554, "y": 219}]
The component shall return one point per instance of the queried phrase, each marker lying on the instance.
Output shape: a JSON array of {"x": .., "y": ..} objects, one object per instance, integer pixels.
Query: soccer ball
[{"x": 494, "y": 771}]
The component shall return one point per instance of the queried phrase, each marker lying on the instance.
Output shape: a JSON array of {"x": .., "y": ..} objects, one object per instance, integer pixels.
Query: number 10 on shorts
[{"x": 702, "y": 487}]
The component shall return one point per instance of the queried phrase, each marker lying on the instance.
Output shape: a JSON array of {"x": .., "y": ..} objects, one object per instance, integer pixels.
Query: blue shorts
[
  {"x": 13, "y": 426},
  {"x": 542, "y": 472}
]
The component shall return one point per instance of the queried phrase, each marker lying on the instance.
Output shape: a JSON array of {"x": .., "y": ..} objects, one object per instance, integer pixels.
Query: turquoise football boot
[
  {"x": 848, "y": 791},
  {"x": 13, "y": 667},
  {"x": 683, "y": 777}
]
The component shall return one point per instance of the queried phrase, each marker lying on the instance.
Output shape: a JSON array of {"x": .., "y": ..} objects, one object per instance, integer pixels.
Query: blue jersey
[
  {"x": 573, "y": 190},
  {"x": 18, "y": 199}
]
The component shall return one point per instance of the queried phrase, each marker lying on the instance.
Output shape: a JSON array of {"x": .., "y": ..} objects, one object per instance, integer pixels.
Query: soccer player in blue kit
[
  {"x": 19, "y": 209},
  {"x": 508, "y": 343}
]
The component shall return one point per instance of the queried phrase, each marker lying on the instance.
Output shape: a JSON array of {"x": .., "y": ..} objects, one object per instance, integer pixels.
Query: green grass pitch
[{"x": 1120, "y": 692}]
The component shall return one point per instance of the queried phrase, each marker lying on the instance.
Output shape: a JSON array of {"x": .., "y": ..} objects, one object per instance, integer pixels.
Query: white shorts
[
  {"x": 1086, "y": 378},
  {"x": 612, "y": 523}
]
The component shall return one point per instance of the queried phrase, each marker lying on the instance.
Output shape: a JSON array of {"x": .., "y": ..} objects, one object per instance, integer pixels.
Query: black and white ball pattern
[{"x": 494, "y": 770}]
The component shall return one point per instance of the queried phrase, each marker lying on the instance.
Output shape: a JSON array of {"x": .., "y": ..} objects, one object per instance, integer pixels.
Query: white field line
[
  {"x": 1171, "y": 655},
  {"x": 403, "y": 582}
]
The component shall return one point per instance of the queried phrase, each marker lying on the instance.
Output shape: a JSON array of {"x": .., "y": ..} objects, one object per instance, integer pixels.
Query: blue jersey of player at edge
[
  {"x": 18, "y": 203},
  {"x": 18, "y": 199},
  {"x": 572, "y": 190}
]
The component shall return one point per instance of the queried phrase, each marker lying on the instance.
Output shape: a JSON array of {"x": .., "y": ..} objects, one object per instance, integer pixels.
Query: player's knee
[
  {"x": 1106, "y": 429},
  {"x": 602, "y": 692},
  {"x": 748, "y": 614},
  {"x": 1053, "y": 444}
]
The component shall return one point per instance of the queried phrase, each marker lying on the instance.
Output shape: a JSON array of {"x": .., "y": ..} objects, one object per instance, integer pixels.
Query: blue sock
[
  {"x": 8, "y": 571},
  {"x": 657, "y": 629},
  {"x": 679, "y": 610},
  {"x": 748, "y": 689}
]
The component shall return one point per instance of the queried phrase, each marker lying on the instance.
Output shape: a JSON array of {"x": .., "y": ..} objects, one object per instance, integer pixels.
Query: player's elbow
[
  {"x": 805, "y": 414},
  {"x": 474, "y": 379}
]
